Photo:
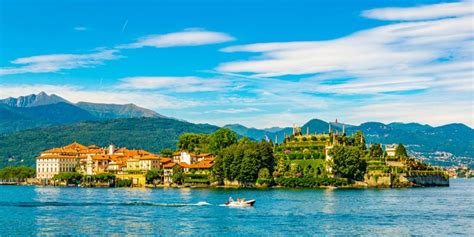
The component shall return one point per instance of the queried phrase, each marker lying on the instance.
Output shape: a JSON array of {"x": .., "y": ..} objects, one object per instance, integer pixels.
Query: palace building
[{"x": 90, "y": 160}]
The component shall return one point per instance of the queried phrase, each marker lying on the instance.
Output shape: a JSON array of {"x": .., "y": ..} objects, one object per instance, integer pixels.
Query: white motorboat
[{"x": 239, "y": 203}]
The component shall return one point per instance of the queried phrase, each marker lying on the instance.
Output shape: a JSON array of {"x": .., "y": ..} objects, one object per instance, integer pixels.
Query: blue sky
[{"x": 247, "y": 62}]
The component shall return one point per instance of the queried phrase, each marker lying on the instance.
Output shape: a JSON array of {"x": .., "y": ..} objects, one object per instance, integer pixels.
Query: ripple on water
[{"x": 281, "y": 212}]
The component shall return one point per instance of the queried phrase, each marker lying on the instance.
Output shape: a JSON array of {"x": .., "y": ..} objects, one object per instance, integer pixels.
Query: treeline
[
  {"x": 17, "y": 174},
  {"x": 244, "y": 161},
  {"x": 237, "y": 160},
  {"x": 204, "y": 143}
]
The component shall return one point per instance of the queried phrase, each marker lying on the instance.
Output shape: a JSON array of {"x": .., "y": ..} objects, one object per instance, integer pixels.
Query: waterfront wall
[
  {"x": 403, "y": 180},
  {"x": 430, "y": 180},
  {"x": 378, "y": 180}
]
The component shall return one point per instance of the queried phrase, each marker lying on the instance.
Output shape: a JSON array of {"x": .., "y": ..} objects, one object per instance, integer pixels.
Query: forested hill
[{"x": 152, "y": 134}]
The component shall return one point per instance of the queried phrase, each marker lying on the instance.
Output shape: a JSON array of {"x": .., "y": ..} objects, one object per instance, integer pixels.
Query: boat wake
[{"x": 82, "y": 204}]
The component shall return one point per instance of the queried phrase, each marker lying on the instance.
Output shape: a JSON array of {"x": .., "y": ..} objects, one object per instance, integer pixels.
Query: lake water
[{"x": 28, "y": 210}]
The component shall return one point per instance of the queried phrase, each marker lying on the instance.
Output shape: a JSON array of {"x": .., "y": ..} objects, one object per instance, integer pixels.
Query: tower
[
  {"x": 89, "y": 170},
  {"x": 111, "y": 149}
]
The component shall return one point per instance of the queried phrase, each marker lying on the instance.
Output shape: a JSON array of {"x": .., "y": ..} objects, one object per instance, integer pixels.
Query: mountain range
[
  {"x": 42, "y": 110},
  {"x": 29, "y": 124},
  {"x": 443, "y": 145}
]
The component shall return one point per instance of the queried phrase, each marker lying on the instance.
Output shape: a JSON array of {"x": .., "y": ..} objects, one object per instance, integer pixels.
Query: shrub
[
  {"x": 310, "y": 182},
  {"x": 17, "y": 173},
  {"x": 263, "y": 173},
  {"x": 69, "y": 177},
  {"x": 267, "y": 181},
  {"x": 124, "y": 183}
]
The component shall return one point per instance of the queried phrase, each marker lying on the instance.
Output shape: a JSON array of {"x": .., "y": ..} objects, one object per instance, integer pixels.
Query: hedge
[{"x": 308, "y": 182}]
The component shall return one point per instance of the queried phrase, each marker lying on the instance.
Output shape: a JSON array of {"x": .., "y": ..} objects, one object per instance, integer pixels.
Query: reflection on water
[
  {"x": 285, "y": 212},
  {"x": 185, "y": 193},
  {"x": 329, "y": 200}
]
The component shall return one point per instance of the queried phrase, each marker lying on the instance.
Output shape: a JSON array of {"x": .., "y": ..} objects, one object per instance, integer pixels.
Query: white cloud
[
  {"x": 422, "y": 50},
  {"x": 58, "y": 62},
  {"x": 397, "y": 46},
  {"x": 151, "y": 100},
  {"x": 420, "y": 71},
  {"x": 80, "y": 28},
  {"x": 235, "y": 111},
  {"x": 427, "y": 12},
  {"x": 190, "y": 37},
  {"x": 176, "y": 84}
]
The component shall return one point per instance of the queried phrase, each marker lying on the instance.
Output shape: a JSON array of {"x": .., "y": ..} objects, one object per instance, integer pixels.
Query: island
[{"x": 223, "y": 159}]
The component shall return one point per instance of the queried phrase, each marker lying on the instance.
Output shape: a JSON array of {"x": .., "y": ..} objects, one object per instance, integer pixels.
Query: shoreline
[{"x": 163, "y": 186}]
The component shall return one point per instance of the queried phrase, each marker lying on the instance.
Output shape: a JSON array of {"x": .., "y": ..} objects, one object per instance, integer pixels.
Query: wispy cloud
[
  {"x": 58, "y": 62},
  {"x": 378, "y": 57},
  {"x": 235, "y": 110},
  {"x": 176, "y": 84},
  {"x": 80, "y": 28},
  {"x": 428, "y": 12},
  {"x": 190, "y": 37}
]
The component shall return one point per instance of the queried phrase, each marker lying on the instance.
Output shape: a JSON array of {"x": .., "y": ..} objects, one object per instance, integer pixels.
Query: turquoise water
[{"x": 28, "y": 210}]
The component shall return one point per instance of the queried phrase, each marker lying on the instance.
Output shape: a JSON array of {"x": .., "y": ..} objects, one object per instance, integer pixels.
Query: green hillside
[{"x": 152, "y": 134}]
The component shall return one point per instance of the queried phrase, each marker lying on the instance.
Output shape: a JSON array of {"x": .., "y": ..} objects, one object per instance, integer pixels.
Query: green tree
[
  {"x": 243, "y": 160},
  {"x": 359, "y": 139},
  {"x": 375, "y": 151},
  {"x": 178, "y": 175},
  {"x": 166, "y": 152},
  {"x": 221, "y": 139},
  {"x": 193, "y": 142},
  {"x": 69, "y": 177},
  {"x": 401, "y": 152},
  {"x": 249, "y": 167},
  {"x": 263, "y": 173},
  {"x": 348, "y": 162},
  {"x": 19, "y": 173},
  {"x": 153, "y": 175},
  {"x": 105, "y": 177}
]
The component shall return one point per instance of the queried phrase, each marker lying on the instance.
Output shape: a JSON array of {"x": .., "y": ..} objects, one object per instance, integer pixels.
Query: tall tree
[
  {"x": 348, "y": 162},
  {"x": 400, "y": 151},
  {"x": 221, "y": 139},
  {"x": 193, "y": 142},
  {"x": 166, "y": 152},
  {"x": 359, "y": 139},
  {"x": 375, "y": 151}
]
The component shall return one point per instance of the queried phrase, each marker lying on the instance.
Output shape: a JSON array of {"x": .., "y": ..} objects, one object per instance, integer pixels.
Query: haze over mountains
[{"x": 53, "y": 121}]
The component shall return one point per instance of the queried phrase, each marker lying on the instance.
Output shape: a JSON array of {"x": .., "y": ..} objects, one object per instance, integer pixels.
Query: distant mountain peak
[
  {"x": 33, "y": 100},
  {"x": 112, "y": 111}
]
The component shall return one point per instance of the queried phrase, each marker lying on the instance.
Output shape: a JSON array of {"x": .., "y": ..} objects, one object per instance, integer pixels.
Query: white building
[{"x": 390, "y": 149}]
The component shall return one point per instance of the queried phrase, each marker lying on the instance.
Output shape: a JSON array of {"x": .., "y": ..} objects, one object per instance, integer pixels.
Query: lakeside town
[{"x": 300, "y": 159}]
